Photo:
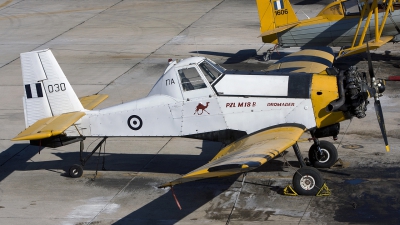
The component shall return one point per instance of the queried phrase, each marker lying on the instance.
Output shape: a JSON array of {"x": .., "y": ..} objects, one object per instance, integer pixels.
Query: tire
[
  {"x": 307, "y": 181},
  {"x": 329, "y": 158},
  {"x": 75, "y": 171}
]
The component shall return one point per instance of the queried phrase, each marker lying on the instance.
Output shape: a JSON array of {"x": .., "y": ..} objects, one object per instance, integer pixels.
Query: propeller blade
[
  {"x": 381, "y": 121},
  {"x": 370, "y": 68}
]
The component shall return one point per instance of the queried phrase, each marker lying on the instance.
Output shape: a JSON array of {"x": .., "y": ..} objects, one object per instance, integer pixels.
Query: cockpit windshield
[{"x": 211, "y": 70}]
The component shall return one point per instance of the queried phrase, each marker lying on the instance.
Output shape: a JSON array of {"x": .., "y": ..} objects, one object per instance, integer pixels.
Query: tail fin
[
  {"x": 47, "y": 91},
  {"x": 274, "y": 14}
]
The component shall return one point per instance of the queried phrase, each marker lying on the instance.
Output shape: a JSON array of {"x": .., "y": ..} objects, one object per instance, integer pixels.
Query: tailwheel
[
  {"x": 75, "y": 171},
  {"x": 307, "y": 181},
  {"x": 325, "y": 157}
]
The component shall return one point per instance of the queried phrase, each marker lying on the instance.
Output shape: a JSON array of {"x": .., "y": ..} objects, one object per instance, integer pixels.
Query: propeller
[{"x": 376, "y": 89}]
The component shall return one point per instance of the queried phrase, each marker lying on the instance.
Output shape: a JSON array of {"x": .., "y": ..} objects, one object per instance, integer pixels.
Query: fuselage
[{"x": 197, "y": 98}]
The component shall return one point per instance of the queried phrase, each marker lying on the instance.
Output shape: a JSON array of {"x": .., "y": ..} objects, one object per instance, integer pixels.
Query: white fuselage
[{"x": 240, "y": 102}]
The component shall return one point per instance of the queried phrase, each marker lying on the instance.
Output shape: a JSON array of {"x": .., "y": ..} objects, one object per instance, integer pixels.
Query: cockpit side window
[
  {"x": 351, "y": 8},
  {"x": 190, "y": 79},
  {"x": 209, "y": 71}
]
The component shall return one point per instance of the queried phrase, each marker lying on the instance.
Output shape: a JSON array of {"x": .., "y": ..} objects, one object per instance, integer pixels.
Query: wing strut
[{"x": 378, "y": 41}]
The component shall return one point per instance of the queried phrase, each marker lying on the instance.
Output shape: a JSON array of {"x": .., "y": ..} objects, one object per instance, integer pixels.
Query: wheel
[
  {"x": 75, "y": 171},
  {"x": 327, "y": 159},
  {"x": 267, "y": 56},
  {"x": 307, "y": 181}
]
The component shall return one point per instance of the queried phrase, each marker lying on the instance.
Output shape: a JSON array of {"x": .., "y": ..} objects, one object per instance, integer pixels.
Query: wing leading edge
[{"x": 247, "y": 153}]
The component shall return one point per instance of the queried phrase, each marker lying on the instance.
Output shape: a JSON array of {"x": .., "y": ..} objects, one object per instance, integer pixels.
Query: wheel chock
[
  {"x": 324, "y": 191},
  {"x": 338, "y": 163},
  {"x": 288, "y": 190}
]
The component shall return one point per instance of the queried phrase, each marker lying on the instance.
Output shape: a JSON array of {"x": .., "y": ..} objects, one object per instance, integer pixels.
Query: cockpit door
[{"x": 193, "y": 84}]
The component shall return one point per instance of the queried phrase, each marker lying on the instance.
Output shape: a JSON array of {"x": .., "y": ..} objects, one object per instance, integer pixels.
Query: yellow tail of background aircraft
[{"x": 347, "y": 24}]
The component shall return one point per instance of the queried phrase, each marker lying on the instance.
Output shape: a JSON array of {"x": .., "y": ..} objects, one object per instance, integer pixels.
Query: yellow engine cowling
[{"x": 324, "y": 90}]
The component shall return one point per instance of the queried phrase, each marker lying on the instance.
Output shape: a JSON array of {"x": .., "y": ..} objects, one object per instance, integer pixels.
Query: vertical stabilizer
[
  {"x": 47, "y": 90},
  {"x": 274, "y": 14}
]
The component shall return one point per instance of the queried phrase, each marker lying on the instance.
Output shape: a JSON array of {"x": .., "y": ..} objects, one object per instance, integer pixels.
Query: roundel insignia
[{"x": 135, "y": 122}]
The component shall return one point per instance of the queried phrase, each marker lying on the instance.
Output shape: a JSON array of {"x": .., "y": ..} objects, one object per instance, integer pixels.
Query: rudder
[{"x": 274, "y": 14}]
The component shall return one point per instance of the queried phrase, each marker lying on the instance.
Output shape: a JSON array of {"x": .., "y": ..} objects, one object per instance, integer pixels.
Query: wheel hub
[
  {"x": 323, "y": 156},
  {"x": 307, "y": 182},
  {"x": 74, "y": 171}
]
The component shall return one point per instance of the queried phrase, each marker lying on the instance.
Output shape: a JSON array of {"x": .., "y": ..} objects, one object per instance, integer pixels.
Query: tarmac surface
[{"x": 121, "y": 48}]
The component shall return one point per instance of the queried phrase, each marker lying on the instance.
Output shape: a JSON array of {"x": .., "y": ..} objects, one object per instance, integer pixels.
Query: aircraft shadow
[
  {"x": 374, "y": 197},
  {"x": 191, "y": 197},
  {"x": 163, "y": 209},
  {"x": 233, "y": 62},
  {"x": 18, "y": 158},
  {"x": 15, "y": 158},
  {"x": 387, "y": 58}
]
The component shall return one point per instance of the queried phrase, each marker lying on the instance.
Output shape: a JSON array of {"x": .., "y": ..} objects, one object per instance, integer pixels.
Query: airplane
[
  {"x": 337, "y": 25},
  {"x": 258, "y": 115}
]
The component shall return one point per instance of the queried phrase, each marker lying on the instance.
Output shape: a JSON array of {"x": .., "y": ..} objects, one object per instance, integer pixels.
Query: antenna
[{"x": 196, "y": 46}]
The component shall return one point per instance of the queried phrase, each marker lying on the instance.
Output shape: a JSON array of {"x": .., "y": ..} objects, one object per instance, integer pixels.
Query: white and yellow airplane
[
  {"x": 349, "y": 24},
  {"x": 257, "y": 114}
]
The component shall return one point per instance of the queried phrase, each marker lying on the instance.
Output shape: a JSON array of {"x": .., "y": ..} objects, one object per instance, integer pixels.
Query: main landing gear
[
  {"x": 307, "y": 180},
  {"x": 322, "y": 154},
  {"x": 76, "y": 170}
]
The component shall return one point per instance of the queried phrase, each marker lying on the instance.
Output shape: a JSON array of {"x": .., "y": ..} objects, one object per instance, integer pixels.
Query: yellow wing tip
[
  {"x": 387, "y": 148},
  {"x": 30, "y": 137}
]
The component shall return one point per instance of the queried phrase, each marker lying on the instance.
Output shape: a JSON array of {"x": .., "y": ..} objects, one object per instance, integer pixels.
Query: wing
[
  {"x": 247, "y": 153},
  {"x": 312, "y": 60},
  {"x": 369, "y": 10},
  {"x": 279, "y": 29},
  {"x": 48, "y": 127},
  {"x": 373, "y": 44},
  {"x": 90, "y": 102}
]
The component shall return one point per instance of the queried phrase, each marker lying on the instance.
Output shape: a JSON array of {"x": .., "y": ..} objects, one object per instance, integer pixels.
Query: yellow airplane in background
[{"x": 345, "y": 23}]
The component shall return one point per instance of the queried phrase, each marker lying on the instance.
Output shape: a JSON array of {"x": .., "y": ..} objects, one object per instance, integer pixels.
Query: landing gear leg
[
  {"x": 322, "y": 154},
  {"x": 307, "y": 180},
  {"x": 267, "y": 55},
  {"x": 76, "y": 170}
]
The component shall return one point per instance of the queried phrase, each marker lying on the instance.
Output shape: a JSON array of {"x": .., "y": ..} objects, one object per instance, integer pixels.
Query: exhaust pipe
[{"x": 335, "y": 105}]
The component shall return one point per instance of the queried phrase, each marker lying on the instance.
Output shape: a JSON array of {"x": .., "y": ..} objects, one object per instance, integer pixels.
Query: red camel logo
[{"x": 202, "y": 107}]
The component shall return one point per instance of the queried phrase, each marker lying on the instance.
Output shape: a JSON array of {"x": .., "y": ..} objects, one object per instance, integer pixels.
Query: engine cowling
[{"x": 354, "y": 93}]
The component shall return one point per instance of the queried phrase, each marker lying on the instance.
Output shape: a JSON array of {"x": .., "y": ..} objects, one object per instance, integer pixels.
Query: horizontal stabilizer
[
  {"x": 279, "y": 29},
  {"x": 363, "y": 48},
  {"x": 50, "y": 126},
  {"x": 247, "y": 153},
  {"x": 90, "y": 102}
]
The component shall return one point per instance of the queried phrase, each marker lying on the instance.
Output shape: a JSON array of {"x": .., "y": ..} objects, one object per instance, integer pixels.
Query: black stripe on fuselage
[{"x": 299, "y": 86}]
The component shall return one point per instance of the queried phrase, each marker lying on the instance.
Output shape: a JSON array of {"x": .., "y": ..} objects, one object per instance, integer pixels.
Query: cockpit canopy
[
  {"x": 188, "y": 79},
  {"x": 340, "y": 8}
]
